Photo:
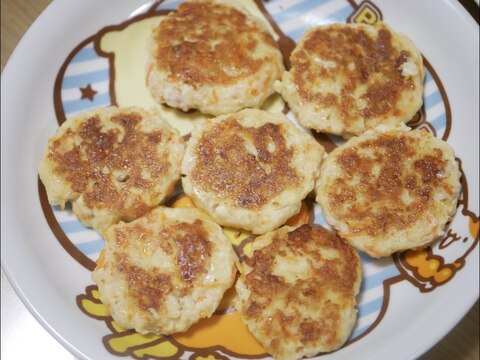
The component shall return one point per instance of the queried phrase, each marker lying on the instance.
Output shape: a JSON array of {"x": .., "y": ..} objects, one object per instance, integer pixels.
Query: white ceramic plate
[{"x": 407, "y": 303}]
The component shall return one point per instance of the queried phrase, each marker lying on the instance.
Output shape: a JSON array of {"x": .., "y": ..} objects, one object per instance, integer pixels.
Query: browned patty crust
[
  {"x": 251, "y": 169},
  {"x": 212, "y": 56},
  {"x": 297, "y": 291},
  {"x": 390, "y": 189},
  {"x": 164, "y": 271},
  {"x": 348, "y": 78},
  {"x": 112, "y": 164},
  {"x": 225, "y": 165},
  {"x": 197, "y": 62}
]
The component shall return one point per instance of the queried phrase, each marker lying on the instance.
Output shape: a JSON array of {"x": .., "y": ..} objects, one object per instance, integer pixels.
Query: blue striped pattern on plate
[
  {"x": 86, "y": 68},
  {"x": 294, "y": 17}
]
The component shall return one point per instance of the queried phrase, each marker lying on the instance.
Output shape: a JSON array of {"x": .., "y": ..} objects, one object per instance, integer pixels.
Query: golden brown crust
[
  {"x": 146, "y": 288},
  {"x": 390, "y": 189},
  {"x": 193, "y": 249},
  {"x": 219, "y": 49},
  {"x": 250, "y": 170},
  {"x": 103, "y": 152},
  {"x": 386, "y": 154},
  {"x": 336, "y": 275},
  {"x": 187, "y": 242},
  {"x": 348, "y": 78},
  {"x": 369, "y": 56},
  {"x": 226, "y": 166},
  {"x": 164, "y": 271},
  {"x": 112, "y": 164},
  {"x": 309, "y": 310}
]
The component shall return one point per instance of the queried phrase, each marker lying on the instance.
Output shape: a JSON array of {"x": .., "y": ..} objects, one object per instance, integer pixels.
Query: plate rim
[{"x": 19, "y": 288}]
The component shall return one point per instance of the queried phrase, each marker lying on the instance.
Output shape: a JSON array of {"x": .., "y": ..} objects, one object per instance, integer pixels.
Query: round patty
[
  {"x": 112, "y": 164},
  {"x": 251, "y": 169},
  {"x": 347, "y": 78},
  {"x": 297, "y": 291},
  {"x": 165, "y": 271},
  {"x": 390, "y": 189},
  {"x": 212, "y": 56}
]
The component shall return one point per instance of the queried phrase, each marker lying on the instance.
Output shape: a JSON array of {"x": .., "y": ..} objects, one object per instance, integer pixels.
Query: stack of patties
[{"x": 213, "y": 56}]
